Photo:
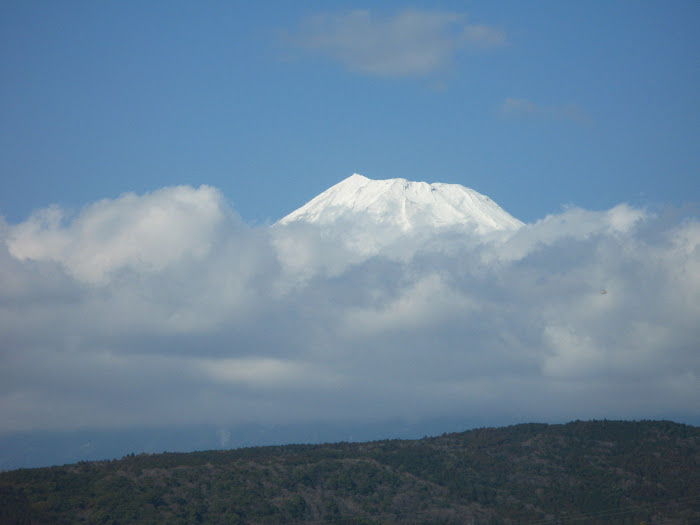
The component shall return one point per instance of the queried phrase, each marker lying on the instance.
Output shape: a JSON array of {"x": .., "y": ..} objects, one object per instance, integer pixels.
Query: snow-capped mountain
[{"x": 403, "y": 205}]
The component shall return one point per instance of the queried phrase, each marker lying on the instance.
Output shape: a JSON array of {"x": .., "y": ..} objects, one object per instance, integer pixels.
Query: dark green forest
[{"x": 581, "y": 472}]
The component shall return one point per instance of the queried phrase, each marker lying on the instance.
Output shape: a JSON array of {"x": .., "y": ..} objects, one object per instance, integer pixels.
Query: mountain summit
[{"x": 405, "y": 205}]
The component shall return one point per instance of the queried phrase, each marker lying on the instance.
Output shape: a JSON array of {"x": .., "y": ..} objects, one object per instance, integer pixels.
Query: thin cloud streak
[
  {"x": 411, "y": 43},
  {"x": 218, "y": 322},
  {"x": 520, "y": 108}
]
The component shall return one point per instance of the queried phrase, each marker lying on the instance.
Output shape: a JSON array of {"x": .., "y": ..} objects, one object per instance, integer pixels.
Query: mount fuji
[{"x": 403, "y": 206}]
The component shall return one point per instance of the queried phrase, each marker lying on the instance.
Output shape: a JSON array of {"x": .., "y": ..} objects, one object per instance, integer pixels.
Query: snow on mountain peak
[{"x": 404, "y": 204}]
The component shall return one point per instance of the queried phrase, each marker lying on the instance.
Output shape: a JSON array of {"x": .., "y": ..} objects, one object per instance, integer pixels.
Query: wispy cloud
[
  {"x": 484, "y": 37},
  {"x": 409, "y": 43},
  {"x": 524, "y": 108},
  {"x": 165, "y": 308}
]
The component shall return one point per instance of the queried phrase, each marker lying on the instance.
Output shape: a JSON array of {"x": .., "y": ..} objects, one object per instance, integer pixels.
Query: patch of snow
[{"x": 405, "y": 205}]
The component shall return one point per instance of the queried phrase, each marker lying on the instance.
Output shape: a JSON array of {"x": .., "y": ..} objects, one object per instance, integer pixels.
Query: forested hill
[{"x": 580, "y": 472}]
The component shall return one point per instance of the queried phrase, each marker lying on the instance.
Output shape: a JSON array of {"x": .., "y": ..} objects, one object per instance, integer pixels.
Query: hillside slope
[{"x": 583, "y": 472}]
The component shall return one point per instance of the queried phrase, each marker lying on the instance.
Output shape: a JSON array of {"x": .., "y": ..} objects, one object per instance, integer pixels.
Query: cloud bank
[
  {"x": 165, "y": 308},
  {"x": 409, "y": 43}
]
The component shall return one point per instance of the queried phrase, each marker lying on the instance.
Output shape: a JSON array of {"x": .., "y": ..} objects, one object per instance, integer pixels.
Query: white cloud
[
  {"x": 409, "y": 43},
  {"x": 165, "y": 309},
  {"x": 145, "y": 233},
  {"x": 524, "y": 108},
  {"x": 269, "y": 373},
  {"x": 422, "y": 303}
]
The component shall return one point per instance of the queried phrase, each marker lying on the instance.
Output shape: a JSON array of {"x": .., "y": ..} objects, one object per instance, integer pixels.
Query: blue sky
[{"x": 536, "y": 105}]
